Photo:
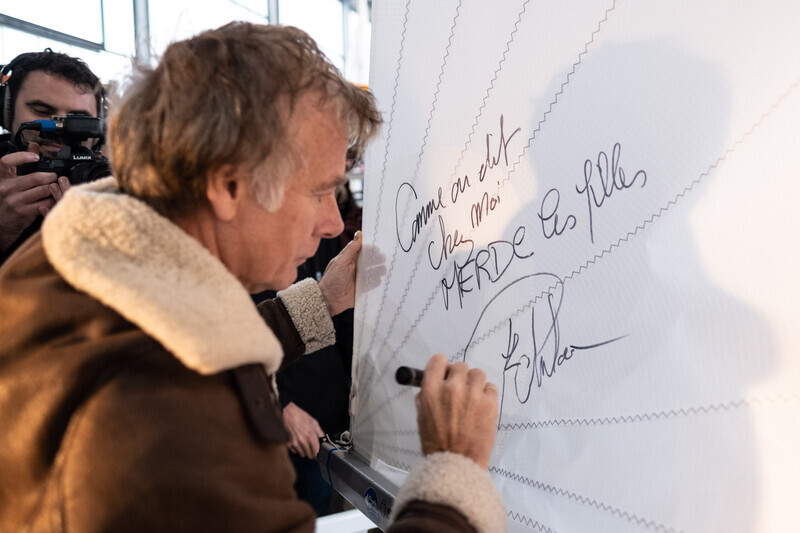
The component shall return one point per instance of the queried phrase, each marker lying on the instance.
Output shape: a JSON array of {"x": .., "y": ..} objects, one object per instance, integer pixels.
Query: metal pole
[
  {"x": 272, "y": 6},
  {"x": 345, "y": 37},
  {"x": 141, "y": 25},
  {"x": 368, "y": 490}
]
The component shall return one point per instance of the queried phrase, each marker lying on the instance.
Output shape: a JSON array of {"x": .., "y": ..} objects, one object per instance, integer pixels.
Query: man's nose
[{"x": 331, "y": 223}]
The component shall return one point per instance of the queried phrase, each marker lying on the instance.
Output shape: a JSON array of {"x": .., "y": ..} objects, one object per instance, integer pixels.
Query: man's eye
[{"x": 42, "y": 112}]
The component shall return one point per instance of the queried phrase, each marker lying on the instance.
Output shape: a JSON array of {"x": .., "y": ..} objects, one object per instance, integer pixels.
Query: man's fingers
[
  {"x": 457, "y": 372},
  {"x": 318, "y": 433},
  {"x": 10, "y": 162},
  {"x": 58, "y": 189},
  {"x": 314, "y": 448},
  {"x": 64, "y": 184},
  {"x": 297, "y": 445},
  {"x": 34, "y": 194},
  {"x": 436, "y": 369},
  {"x": 350, "y": 252},
  {"x": 25, "y": 190},
  {"x": 55, "y": 191},
  {"x": 42, "y": 207},
  {"x": 310, "y": 447},
  {"x": 357, "y": 241},
  {"x": 457, "y": 410},
  {"x": 476, "y": 378},
  {"x": 303, "y": 449},
  {"x": 304, "y": 431}
]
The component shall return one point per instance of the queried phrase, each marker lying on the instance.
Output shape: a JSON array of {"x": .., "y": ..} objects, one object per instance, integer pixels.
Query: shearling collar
[{"x": 121, "y": 252}]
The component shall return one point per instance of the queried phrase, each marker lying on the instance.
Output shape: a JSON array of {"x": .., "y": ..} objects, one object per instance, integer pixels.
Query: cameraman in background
[{"x": 36, "y": 86}]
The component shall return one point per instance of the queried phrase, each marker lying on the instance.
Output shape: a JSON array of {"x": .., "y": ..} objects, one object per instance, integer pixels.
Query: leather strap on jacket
[{"x": 260, "y": 403}]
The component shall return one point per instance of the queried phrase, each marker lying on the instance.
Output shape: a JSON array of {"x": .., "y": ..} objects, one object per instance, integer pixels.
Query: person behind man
[
  {"x": 38, "y": 85},
  {"x": 136, "y": 375}
]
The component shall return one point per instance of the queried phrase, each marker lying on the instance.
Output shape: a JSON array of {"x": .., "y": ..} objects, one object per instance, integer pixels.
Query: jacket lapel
[{"x": 124, "y": 254}]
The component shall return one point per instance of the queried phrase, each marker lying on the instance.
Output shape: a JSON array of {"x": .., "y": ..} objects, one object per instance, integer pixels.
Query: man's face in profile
[
  {"x": 275, "y": 243},
  {"x": 43, "y": 95}
]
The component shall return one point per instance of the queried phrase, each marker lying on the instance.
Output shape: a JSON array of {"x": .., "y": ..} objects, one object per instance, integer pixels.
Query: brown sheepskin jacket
[{"x": 137, "y": 390}]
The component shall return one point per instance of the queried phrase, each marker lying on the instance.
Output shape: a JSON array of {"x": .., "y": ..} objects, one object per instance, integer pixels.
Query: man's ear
[{"x": 225, "y": 189}]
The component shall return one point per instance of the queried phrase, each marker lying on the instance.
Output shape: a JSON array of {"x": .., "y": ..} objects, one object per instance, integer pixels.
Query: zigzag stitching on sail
[
  {"x": 583, "y": 500},
  {"x": 368, "y": 380},
  {"x": 416, "y": 170},
  {"x": 386, "y": 154},
  {"x": 533, "y": 524},
  {"x": 647, "y": 222},
  {"x": 656, "y": 415}
]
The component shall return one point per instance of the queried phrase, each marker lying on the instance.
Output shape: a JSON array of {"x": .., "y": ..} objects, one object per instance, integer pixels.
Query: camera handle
[{"x": 72, "y": 129}]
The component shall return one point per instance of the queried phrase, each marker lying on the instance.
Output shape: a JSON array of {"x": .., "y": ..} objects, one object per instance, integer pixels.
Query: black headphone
[
  {"x": 7, "y": 70},
  {"x": 5, "y": 92}
]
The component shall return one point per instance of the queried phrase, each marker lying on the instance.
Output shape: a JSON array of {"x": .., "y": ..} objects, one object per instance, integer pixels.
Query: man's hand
[
  {"x": 457, "y": 410},
  {"x": 304, "y": 431},
  {"x": 23, "y": 198},
  {"x": 58, "y": 190},
  {"x": 338, "y": 283}
]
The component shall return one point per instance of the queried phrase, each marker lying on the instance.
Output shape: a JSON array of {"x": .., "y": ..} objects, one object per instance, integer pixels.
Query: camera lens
[{"x": 86, "y": 172}]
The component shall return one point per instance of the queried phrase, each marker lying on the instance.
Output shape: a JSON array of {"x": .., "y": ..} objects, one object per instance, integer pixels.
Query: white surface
[
  {"x": 345, "y": 522},
  {"x": 686, "y": 419}
]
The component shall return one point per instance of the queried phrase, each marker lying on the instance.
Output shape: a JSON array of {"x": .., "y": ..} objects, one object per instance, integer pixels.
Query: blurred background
[
  {"x": 110, "y": 34},
  {"x": 113, "y": 35}
]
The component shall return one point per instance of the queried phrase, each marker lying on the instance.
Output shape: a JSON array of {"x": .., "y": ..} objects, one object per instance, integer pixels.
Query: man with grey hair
[{"x": 136, "y": 376}]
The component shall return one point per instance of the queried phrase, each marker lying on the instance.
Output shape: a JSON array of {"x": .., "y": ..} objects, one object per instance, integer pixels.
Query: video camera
[{"x": 78, "y": 163}]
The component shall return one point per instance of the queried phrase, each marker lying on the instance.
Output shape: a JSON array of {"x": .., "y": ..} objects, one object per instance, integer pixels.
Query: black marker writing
[
  {"x": 438, "y": 252},
  {"x": 407, "y": 195},
  {"x": 483, "y": 208},
  {"x": 487, "y": 265},
  {"x": 534, "y": 362},
  {"x": 502, "y": 149},
  {"x": 613, "y": 179},
  {"x": 422, "y": 216},
  {"x": 548, "y": 215}
]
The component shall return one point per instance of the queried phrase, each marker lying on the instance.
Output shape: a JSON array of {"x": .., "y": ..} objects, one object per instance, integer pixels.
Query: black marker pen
[{"x": 406, "y": 375}]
